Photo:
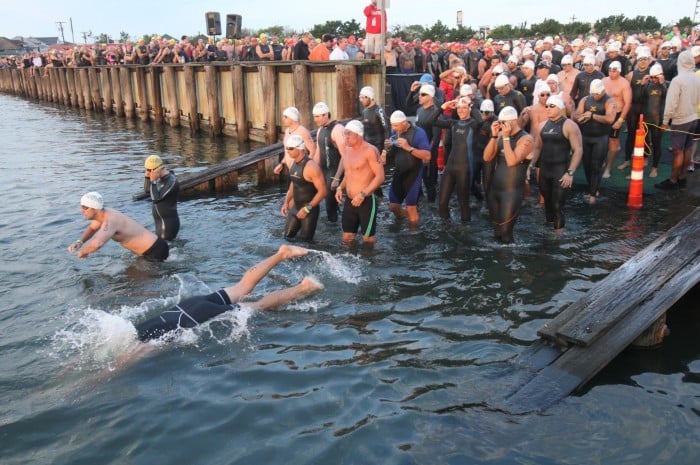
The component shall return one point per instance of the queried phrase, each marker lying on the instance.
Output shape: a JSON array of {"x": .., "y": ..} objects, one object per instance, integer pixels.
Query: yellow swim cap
[{"x": 153, "y": 162}]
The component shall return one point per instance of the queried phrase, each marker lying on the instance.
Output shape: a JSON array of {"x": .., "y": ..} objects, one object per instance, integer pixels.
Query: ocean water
[{"x": 404, "y": 357}]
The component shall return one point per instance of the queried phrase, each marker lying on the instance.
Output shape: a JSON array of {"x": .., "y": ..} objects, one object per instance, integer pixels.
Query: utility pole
[
  {"x": 71, "y": 30},
  {"x": 573, "y": 19},
  {"x": 60, "y": 28},
  {"x": 697, "y": 6}
]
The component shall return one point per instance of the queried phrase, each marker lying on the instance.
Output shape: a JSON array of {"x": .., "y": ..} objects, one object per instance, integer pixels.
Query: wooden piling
[
  {"x": 141, "y": 93},
  {"x": 347, "y": 95},
  {"x": 172, "y": 106},
  {"x": 117, "y": 91},
  {"x": 95, "y": 96},
  {"x": 156, "y": 94},
  {"x": 239, "y": 103},
  {"x": 269, "y": 98},
  {"x": 70, "y": 82},
  {"x": 212, "y": 90},
  {"x": 127, "y": 91},
  {"x": 85, "y": 88},
  {"x": 302, "y": 94},
  {"x": 106, "y": 89},
  {"x": 191, "y": 95},
  {"x": 65, "y": 92}
]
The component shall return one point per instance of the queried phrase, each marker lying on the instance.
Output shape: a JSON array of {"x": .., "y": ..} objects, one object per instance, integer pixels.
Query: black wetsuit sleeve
[
  {"x": 448, "y": 144},
  {"x": 412, "y": 98},
  {"x": 159, "y": 194}
]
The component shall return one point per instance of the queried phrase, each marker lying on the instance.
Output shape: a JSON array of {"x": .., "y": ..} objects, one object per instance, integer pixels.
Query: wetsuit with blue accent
[
  {"x": 408, "y": 170},
  {"x": 188, "y": 313},
  {"x": 330, "y": 160},
  {"x": 506, "y": 191},
  {"x": 554, "y": 161},
  {"x": 595, "y": 136},
  {"x": 304, "y": 192},
  {"x": 425, "y": 119},
  {"x": 459, "y": 158},
  {"x": 164, "y": 193}
]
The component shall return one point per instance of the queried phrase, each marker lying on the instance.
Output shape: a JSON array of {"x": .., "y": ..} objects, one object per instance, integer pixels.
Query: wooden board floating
[{"x": 592, "y": 331}]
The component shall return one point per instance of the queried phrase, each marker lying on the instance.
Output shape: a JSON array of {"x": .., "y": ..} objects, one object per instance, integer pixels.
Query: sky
[{"x": 177, "y": 17}]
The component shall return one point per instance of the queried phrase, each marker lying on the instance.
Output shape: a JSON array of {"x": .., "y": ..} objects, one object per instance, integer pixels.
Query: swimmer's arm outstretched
[
  {"x": 97, "y": 237},
  {"x": 90, "y": 231}
]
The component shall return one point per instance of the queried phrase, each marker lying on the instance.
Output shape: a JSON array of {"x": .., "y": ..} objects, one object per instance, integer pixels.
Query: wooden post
[
  {"x": 239, "y": 103},
  {"x": 171, "y": 93},
  {"x": 213, "y": 100},
  {"x": 70, "y": 81},
  {"x": 85, "y": 88},
  {"x": 39, "y": 88},
  {"x": 95, "y": 96},
  {"x": 117, "y": 91},
  {"x": 302, "y": 96},
  {"x": 64, "y": 86},
  {"x": 347, "y": 91},
  {"x": 191, "y": 93},
  {"x": 106, "y": 86},
  {"x": 269, "y": 90},
  {"x": 140, "y": 90},
  {"x": 52, "y": 85},
  {"x": 157, "y": 98},
  {"x": 125, "y": 80}
]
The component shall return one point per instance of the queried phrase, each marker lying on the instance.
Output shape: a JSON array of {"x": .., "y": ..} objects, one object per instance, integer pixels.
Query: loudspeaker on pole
[
  {"x": 233, "y": 26},
  {"x": 213, "y": 23}
]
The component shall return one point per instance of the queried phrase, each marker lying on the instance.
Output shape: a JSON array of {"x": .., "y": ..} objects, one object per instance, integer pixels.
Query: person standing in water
[
  {"x": 164, "y": 189},
  {"x": 508, "y": 148},
  {"x": 107, "y": 223}
]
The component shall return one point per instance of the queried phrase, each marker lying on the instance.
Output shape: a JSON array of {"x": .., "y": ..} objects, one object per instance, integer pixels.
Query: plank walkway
[{"x": 592, "y": 331}]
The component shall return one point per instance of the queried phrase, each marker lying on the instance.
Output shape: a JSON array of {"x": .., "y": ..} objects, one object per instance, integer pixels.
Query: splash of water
[{"x": 346, "y": 267}]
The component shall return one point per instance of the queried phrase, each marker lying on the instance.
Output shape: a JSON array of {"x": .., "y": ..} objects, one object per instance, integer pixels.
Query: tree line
[{"x": 442, "y": 32}]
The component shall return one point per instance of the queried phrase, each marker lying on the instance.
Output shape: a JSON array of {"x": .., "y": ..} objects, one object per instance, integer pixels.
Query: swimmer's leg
[
  {"x": 284, "y": 296},
  {"x": 255, "y": 274}
]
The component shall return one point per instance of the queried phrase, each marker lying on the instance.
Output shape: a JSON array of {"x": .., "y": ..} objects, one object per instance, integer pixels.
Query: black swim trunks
[
  {"x": 159, "y": 251},
  {"x": 187, "y": 314}
]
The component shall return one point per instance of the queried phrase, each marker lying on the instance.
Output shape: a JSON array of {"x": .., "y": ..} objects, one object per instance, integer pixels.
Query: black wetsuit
[
  {"x": 188, "y": 313},
  {"x": 654, "y": 102},
  {"x": 459, "y": 156},
  {"x": 164, "y": 193},
  {"x": 581, "y": 87},
  {"x": 513, "y": 99},
  {"x": 506, "y": 191},
  {"x": 304, "y": 192},
  {"x": 527, "y": 87},
  {"x": 554, "y": 161},
  {"x": 158, "y": 252},
  {"x": 330, "y": 160},
  {"x": 376, "y": 124},
  {"x": 482, "y": 168},
  {"x": 595, "y": 143},
  {"x": 425, "y": 119},
  {"x": 635, "y": 110}
]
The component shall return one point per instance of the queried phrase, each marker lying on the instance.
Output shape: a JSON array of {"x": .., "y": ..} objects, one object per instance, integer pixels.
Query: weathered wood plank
[
  {"x": 171, "y": 94},
  {"x": 347, "y": 101},
  {"x": 156, "y": 95},
  {"x": 269, "y": 97},
  {"x": 578, "y": 365},
  {"x": 191, "y": 93},
  {"x": 238, "y": 89},
  {"x": 95, "y": 96},
  {"x": 668, "y": 254},
  {"x": 117, "y": 92},
  {"x": 602, "y": 291},
  {"x": 212, "y": 92},
  {"x": 106, "y": 85},
  {"x": 302, "y": 94},
  {"x": 127, "y": 92}
]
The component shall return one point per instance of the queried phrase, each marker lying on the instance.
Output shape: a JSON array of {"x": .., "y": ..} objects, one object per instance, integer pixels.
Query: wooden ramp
[
  {"x": 224, "y": 176},
  {"x": 592, "y": 331}
]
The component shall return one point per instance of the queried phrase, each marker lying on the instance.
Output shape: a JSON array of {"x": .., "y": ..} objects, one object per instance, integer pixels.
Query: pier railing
[{"x": 243, "y": 100}]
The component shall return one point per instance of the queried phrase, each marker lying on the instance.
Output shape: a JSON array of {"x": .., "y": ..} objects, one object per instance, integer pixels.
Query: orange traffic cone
[{"x": 634, "y": 200}]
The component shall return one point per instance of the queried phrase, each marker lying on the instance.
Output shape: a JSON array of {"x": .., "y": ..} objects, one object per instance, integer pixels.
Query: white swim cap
[
  {"x": 367, "y": 92},
  {"x": 356, "y": 127},
  {"x": 320, "y": 109},
  {"x": 92, "y": 200},
  {"x": 295, "y": 141},
  {"x": 508, "y": 114},
  {"x": 397, "y": 117},
  {"x": 292, "y": 113}
]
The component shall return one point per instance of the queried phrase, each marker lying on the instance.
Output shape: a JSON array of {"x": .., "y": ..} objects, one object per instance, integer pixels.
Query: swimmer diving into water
[{"x": 195, "y": 310}]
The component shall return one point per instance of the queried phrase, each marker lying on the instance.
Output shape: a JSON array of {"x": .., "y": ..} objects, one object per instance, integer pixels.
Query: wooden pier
[
  {"x": 240, "y": 99},
  {"x": 592, "y": 331}
]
